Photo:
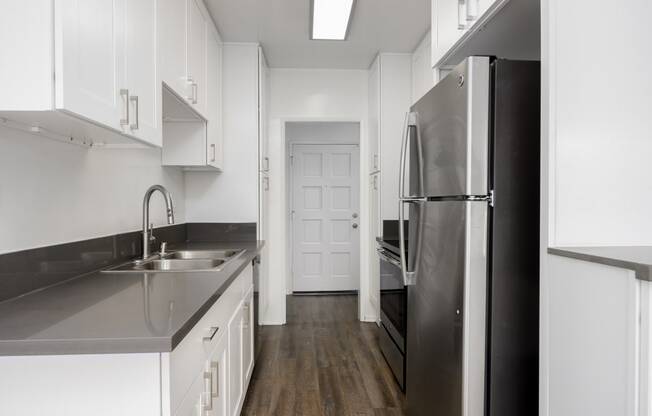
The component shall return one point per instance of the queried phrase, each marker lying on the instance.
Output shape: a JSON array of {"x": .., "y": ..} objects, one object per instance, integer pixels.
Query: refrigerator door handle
[
  {"x": 401, "y": 178},
  {"x": 410, "y": 121},
  {"x": 409, "y": 276}
]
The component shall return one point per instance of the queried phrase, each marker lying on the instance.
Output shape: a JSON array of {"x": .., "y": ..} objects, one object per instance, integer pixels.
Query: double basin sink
[{"x": 180, "y": 261}]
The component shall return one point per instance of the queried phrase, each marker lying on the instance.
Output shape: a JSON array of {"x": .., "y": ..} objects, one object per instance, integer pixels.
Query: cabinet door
[
  {"x": 218, "y": 368},
  {"x": 235, "y": 362},
  {"x": 89, "y": 59},
  {"x": 172, "y": 44},
  {"x": 248, "y": 337},
  {"x": 446, "y": 30},
  {"x": 374, "y": 116},
  {"x": 214, "y": 153},
  {"x": 196, "y": 65},
  {"x": 140, "y": 57}
]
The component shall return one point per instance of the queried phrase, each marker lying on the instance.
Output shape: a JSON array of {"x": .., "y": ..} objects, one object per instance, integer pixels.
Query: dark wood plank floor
[{"x": 323, "y": 362}]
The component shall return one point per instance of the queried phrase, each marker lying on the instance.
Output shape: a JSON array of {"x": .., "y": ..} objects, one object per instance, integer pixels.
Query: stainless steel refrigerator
[{"x": 471, "y": 148}]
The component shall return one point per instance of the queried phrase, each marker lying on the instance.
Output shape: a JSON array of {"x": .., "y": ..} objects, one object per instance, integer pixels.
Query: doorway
[{"x": 324, "y": 203}]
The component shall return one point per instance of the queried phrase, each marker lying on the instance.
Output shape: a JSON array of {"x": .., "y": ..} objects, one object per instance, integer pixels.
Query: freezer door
[
  {"x": 449, "y": 134},
  {"x": 446, "y": 329}
]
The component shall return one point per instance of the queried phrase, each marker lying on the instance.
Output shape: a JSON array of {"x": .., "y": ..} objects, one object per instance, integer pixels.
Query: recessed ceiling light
[{"x": 330, "y": 19}]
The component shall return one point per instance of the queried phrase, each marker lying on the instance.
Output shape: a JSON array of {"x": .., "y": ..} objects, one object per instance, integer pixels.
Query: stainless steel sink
[
  {"x": 202, "y": 254},
  {"x": 180, "y": 261}
]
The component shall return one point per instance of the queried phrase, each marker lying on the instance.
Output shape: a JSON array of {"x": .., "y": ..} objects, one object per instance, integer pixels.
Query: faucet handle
[
  {"x": 151, "y": 232},
  {"x": 164, "y": 246}
]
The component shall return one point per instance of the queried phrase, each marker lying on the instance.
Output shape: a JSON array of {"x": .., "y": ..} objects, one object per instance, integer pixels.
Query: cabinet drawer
[{"x": 182, "y": 365}]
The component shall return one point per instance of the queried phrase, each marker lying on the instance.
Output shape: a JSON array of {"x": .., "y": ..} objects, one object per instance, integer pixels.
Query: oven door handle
[{"x": 387, "y": 258}]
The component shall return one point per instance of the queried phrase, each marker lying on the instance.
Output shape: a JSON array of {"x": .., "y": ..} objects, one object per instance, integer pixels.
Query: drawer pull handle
[
  {"x": 215, "y": 371},
  {"x": 246, "y": 322},
  {"x": 211, "y": 333},
  {"x": 208, "y": 387}
]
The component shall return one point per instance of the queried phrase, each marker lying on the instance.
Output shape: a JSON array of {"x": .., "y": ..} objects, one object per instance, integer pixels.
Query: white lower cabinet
[
  {"x": 248, "y": 335},
  {"x": 235, "y": 362},
  {"x": 592, "y": 331},
  {"x": 207, "y": 373},
  {"x": 208, "y": 395}
]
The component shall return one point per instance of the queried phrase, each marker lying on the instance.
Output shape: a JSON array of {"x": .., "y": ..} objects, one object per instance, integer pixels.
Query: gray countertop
[
  {"x": 117, "y": 312},
  {"x": 637, "y": 258}
]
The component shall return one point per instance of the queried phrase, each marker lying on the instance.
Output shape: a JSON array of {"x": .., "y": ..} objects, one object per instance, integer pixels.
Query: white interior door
[{"x": 326, "y": 233}]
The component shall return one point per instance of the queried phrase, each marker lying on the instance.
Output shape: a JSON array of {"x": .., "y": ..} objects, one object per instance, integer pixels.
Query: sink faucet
[{"x": 170, "y": 213}]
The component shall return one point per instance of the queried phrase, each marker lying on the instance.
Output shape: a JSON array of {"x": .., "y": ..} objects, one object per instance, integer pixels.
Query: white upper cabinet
[
  {"x": 448, "y": 25},
  {"x": 196, "y": 52},
  {"x": 172, "y": 38},
  {"x": 191, "y": 70},
  {"x": 140, "y": 67},
  {"x": 504, "y": 28},
  {"x": 184, "y": 35},
  {"x": 90, "y": 60},
  {"x": 96, "y": 76},
  {"x": 214, "y": 150}
]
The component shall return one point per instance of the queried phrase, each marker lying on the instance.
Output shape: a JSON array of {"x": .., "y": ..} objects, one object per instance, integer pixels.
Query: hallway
[{"x": 323, "y": 362}]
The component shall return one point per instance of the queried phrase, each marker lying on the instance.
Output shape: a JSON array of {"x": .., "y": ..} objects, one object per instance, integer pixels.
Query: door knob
[
  {"x": 355, "y": 225},
  {"x": 355, "y": 215}
]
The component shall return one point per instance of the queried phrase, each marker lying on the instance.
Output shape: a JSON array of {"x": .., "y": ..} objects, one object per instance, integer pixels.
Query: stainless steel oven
[{"x": 393, "y": 313}]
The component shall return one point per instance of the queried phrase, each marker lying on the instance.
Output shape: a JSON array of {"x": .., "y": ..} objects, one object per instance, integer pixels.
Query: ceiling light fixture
[{"x": 330, "y": 19}]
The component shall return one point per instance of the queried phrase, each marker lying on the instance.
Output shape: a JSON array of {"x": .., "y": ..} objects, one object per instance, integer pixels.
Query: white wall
[
  {"x": 423, "y": 76},
  {"x": 52, "y": 192},
  {"x": 318, "y": 93},
  {"x": 309, "y": 95},
  {"x": 323, "y": 132},
  {"x": 231, "y": 196}
]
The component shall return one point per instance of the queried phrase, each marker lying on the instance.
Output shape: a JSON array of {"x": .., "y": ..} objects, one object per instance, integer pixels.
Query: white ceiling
[{"x": 281, "y": 26}]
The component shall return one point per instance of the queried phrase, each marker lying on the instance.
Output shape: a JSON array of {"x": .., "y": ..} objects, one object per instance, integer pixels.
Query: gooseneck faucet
[{"x": 170, "y": 213}]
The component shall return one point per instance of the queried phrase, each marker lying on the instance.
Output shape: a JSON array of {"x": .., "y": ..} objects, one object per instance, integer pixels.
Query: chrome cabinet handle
[
  {"x": 193, "y": 91},
  {"x": 215, "y": 383},
  {"x": 124, "y": 93},
  {"x": 213, "y": 150},
  {"x": 354, "y": 225},
  {"x": 211, "y": 333},
  {"x": 208, "y": 390},
  {"x": 245, "y": 323},
  {"x": 134, "y": 99},
  {"x": 461, "y": 14}
]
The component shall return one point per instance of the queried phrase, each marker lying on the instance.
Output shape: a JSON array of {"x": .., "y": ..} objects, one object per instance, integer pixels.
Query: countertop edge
[{"x": 642, "y": 271}]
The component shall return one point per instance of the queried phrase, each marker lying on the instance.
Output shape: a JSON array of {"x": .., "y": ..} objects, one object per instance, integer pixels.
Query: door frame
[
  {"x": 279, "y": 219},
  {"x": 290, "y": 186}
]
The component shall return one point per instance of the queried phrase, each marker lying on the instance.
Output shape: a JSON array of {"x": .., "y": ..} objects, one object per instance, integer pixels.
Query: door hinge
[{"x": 491, "y": 198}]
